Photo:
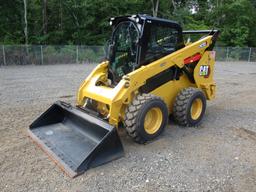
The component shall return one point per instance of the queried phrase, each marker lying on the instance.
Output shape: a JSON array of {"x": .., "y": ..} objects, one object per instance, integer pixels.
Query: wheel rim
[
  {"x": 196, "y": 108},
  {"x": 153, "y": 120}
]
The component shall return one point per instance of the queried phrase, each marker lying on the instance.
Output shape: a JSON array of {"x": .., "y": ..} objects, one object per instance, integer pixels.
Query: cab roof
[{"x": 140, "y": 18}]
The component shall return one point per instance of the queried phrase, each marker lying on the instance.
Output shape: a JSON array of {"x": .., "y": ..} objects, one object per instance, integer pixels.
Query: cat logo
[{"x": 204, "y": 70}]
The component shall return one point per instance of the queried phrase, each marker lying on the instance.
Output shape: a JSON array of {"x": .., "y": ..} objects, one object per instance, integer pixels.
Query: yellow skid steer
[{"x": 150, "y": 73}]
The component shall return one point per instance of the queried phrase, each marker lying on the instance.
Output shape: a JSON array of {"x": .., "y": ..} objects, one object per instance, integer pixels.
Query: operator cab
[{"x": 139, "y": 40}]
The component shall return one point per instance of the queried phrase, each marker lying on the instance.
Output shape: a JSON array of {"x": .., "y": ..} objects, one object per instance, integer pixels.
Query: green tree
[{"x": 85, "y": 22}]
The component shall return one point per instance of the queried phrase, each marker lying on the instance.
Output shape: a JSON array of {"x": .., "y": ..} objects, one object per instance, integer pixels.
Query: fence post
[
  {"x": 4, "y": 55},
  {"x": 249, "y": 57},
  {"x": 42, "y": 55},
  {"x": 77, "y": 54},
  {"x": 227, "y": 54}
]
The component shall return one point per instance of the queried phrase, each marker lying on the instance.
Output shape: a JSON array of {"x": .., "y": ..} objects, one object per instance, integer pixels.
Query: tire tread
[{"x": 131, "y": 113}]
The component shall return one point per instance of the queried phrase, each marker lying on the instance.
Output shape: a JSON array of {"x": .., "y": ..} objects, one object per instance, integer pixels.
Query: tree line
[{"x": 85, "y": 22}]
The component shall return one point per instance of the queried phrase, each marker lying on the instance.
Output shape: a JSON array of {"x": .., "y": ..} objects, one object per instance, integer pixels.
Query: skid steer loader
[{"x": 149, "y": 74}]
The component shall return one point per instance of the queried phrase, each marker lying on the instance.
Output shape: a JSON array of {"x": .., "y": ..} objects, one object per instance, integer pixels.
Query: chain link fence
[
  {"x": 49, "y": 54},
  {"x": 236, "y": 54},
  {"x": 68, "y": 54}
]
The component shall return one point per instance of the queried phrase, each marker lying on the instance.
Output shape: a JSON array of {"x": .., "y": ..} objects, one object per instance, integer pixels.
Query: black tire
[
  {"x": 135, "y": 115},
  {"x": 182, "y": 109}
]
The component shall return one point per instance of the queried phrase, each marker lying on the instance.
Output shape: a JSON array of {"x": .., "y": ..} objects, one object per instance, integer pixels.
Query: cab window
[{"x": 162, "y": 41}]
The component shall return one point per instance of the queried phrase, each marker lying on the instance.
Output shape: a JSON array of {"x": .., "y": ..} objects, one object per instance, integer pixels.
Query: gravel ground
[{"x": 219, "y": 155}]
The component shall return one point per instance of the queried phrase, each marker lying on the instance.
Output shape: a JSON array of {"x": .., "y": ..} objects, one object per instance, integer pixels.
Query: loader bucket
[{"x": 75, "y": 140}]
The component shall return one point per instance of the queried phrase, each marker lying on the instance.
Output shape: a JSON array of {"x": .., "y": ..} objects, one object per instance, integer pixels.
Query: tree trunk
[
  {"x": 45, "y": 18},
  {"x": 26, "y": 22},
  {"x": 61, "y": 14},
  {"x": 26, "y": 26},
  {"x": 173, "y": 4},
  {"x": 155, "y": 6}
]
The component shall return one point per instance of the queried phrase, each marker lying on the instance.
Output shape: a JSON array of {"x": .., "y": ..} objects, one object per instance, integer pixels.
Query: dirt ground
[{"x": 219, "y": 155}]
